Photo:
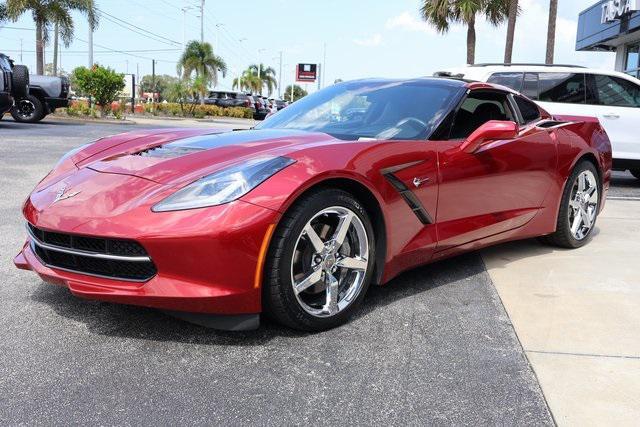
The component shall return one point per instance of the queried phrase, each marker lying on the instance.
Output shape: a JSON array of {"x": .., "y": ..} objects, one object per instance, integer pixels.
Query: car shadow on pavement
[{"x": 144, "y": 323}]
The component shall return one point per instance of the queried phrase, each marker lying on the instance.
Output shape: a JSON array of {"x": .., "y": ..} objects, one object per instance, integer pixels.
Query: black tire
[
  {"x": 563, "y": 236},
  {"x": 635, "y": 173},
  {"x": 279, "y": 300},
  {"x": 28, "y": 110},
  {"x": 20, "y": 81}
]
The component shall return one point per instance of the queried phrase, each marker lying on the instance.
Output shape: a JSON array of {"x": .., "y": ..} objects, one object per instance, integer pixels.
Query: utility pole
[
  {"x": 21, "y": 52},
  {"x": 201, "y": 21},
  {"x": 153, "y": 85},
  {"x": 280, "y": 78},
  {"x": 184, "y": 26},
  {"x": 324, "y": 63},
  {"x": 90, "y": 47}
]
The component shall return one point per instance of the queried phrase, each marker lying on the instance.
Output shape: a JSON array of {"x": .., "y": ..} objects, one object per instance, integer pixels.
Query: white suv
[{"x": 611, "y": 96}]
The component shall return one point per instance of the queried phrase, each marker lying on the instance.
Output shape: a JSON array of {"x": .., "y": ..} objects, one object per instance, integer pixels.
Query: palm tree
[
  {"x": 198, "y": 57},
  {"x": 267, "y": 76},
  {"x": 443, "y": 13},
  {"x": 248, "y": 81},
  {"x": 551, "y": 30},
  {"x": 511, "y": 29},
  {"x": 47, "y": 13}
]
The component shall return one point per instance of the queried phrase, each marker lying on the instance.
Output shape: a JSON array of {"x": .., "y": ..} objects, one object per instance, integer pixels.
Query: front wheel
[
  {"x": 320, "y": 262},
  {"x": 28, "y": 110},
  {"x": 578, "y": 208}
]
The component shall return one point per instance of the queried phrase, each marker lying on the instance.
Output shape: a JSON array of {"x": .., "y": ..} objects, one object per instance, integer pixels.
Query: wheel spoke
[
  {"x": 582, "y": 181},
  {"x": 315, "y": 240},
  {"x": 577, "y": 221},
  {"x": 309, "y": 281},
  {"x": 352, "y": 263},
  {"x": 331, "y": 305},
  {"x": 586, "y": 219},
  {"x": 574, "y": 204},
  {"x": 342, "y": 228}
]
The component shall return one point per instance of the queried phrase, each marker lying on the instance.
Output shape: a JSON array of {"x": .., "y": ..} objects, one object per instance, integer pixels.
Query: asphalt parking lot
[{"x": 434, "y": 347}]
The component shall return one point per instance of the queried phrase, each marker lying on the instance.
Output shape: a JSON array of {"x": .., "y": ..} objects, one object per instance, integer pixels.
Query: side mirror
[{"x": 489, "y": 131}]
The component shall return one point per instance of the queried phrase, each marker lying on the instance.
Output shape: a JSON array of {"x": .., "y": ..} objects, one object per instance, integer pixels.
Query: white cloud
[
  {"x": 374, "y": 40},
  {"x": 409, "y": 22}
]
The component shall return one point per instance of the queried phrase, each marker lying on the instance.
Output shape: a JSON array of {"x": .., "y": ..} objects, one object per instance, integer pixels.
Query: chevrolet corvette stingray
[{"x": 298, "y": 216}]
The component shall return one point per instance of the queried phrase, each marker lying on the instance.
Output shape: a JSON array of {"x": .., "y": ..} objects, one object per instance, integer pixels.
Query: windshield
[{"x": 371, "y": 110}]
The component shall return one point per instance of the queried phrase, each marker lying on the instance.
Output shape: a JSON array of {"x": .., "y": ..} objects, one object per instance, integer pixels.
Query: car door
[
  {"x": 615, "y": 102},
  {"x": 499, "y": 187}
]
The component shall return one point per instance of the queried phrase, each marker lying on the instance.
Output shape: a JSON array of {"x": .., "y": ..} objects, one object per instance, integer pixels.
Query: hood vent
[{"x": 167, "y": 151}]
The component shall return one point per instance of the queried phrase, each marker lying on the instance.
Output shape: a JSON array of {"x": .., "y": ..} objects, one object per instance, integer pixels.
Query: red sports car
[{"x": 297, "y": 217}]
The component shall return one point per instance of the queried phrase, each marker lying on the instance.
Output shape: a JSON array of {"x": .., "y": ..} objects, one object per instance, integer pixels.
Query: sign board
[
  {"x": 127, "y": 92},
  {"x": 615, "y": 9},
  {"x": 307, "y": 73}
]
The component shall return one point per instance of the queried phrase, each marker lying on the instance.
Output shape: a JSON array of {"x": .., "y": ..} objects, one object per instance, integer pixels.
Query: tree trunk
[
  {"x": 471, "y": 41},
  {"x": 551, "y": 30},
  {"x": 39, "y": 49},
  {"x": 55, "y": 49},
  {"x": 511, "y": 29}
]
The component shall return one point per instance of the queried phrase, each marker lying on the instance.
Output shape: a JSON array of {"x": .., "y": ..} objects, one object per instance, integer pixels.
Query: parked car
[
  {"x": 46, "y": 93},
  {"x": 14, "y": 83},
  {"x": 612, "y": 97},
  {"x": 262, "y": 108},
  {"x": 215, "y": 98},
  {"x": 298, "y": 216},
  {"x": 279, "y": 103}
]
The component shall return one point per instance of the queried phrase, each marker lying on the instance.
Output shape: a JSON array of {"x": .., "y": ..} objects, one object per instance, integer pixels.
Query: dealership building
[{"x": 612, "y": 26}]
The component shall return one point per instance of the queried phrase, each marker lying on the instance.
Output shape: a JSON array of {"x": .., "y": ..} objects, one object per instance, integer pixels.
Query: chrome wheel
[
  {"x": 583, "y": 204},
  {"x": 330, "y": 261}
]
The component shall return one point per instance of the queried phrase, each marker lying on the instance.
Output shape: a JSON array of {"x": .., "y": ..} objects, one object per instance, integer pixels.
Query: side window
[
  {"x": 528, "y": 110},
  {"x": 477, "y": 109},
  {"x": 530, "y": 86},
  {"x": 616, "y": 91},
  {"x": 568, "y": 88},
  {"x": 510, "y": 80}
]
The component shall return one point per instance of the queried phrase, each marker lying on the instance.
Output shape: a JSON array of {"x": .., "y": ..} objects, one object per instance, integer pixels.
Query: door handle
[{"x": 612, "y": 116}]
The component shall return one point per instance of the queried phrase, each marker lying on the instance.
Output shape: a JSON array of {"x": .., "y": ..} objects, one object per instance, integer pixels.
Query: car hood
[{"x": 170, "y": 158}]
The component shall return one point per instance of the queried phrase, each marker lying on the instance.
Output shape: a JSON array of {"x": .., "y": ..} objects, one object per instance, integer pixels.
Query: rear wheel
[
  {"x": 28, "y": 110},
  {"x": 635, "y": 172},
  {"x": 320, "y": 262},
  {"x": 578, "y": 208}
]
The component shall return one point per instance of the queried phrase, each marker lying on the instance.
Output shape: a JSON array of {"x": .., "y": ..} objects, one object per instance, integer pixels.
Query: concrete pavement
[{"x": 576, "y": 313}]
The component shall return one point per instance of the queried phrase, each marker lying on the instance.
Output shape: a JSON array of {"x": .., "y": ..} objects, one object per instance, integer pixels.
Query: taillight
[{"x": 247, "y": 103}]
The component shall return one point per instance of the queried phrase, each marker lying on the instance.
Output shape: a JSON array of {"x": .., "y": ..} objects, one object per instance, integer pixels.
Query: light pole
[
  {"x": 184, "y": 26},
  {"x": 201, "y": 21},
  {"x": 240, "y": 67}
]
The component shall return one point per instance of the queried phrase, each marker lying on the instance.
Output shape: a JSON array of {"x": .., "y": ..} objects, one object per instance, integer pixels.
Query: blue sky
[{"x": 363, "y": 38}]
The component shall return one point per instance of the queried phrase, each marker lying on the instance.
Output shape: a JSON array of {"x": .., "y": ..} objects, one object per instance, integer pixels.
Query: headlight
[{"x": 224, "y": 186}]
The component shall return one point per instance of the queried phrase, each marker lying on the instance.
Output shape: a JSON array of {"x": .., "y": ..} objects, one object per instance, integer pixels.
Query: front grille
[{"x": 111, "y": 258}]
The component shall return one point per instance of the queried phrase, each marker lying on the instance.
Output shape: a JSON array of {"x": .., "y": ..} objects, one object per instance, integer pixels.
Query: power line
[{"x": 139, "y": 28}]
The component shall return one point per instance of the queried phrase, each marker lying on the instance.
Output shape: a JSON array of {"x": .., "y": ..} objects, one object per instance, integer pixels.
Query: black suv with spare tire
[{"x": 14, "y": 83}]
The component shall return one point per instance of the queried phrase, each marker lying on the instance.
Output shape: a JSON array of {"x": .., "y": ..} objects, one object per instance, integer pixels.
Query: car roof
[{"x": 482, "y": 71}]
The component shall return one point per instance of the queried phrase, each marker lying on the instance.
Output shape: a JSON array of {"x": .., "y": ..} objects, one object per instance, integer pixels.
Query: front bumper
[
  {"x": 208, "y": 260},
  {"x": 54, "y": 103}
]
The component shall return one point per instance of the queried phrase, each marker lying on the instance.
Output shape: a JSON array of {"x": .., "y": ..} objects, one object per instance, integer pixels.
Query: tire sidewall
[
  {"x": 564, "y": 210},
  {"x": 38, "y": 112},
  {"x": 311, "y": 206}
]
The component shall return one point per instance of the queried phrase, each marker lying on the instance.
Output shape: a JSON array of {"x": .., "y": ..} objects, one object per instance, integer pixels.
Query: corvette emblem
[{"x": 60, "y": 195}]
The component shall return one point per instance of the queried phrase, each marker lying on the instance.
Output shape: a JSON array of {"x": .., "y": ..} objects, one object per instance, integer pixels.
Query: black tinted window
[
  {"x": 616, "y": 91},
  {"x": 530, "y": 85},
  {"x": 528, "y": 109},
  {"x": 562, "y": 87},
  {"x": 510, "y": 80}
]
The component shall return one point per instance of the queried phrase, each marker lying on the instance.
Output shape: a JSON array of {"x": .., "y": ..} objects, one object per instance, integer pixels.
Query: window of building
[{"x": 632, "y": 62}]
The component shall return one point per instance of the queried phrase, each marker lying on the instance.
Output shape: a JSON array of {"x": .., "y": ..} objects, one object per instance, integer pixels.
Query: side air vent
[{"x": 409, "y": 198}]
